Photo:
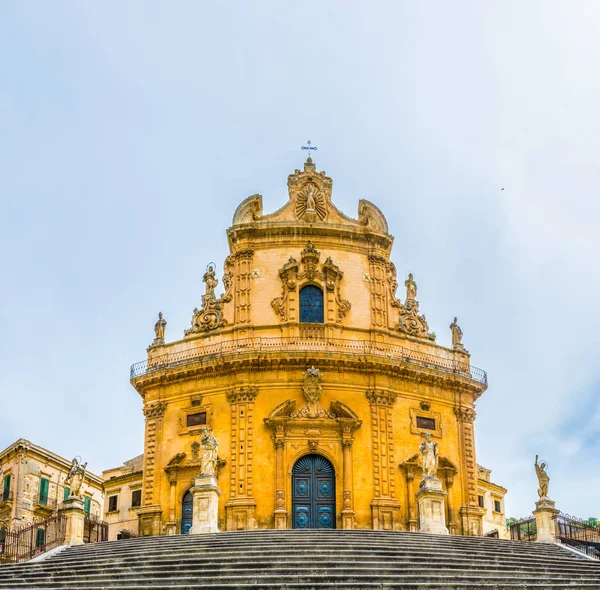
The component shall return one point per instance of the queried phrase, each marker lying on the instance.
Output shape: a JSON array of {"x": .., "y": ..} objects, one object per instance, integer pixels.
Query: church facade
[{"x": 318, "y": 376}]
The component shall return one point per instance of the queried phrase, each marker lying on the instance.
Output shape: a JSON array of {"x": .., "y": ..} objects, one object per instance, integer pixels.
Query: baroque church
[{"x": 317, "y": 375}]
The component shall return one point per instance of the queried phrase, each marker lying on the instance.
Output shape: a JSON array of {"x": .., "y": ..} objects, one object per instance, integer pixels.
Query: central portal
[{"x": 313, "y": 500}]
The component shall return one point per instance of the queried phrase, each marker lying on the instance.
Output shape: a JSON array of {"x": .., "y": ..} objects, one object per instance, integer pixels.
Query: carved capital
[
  {"x": 465, "y": 414},
  {"x": 156, "y": 410},
  {"x": 381, "y": 398},
  {"x": 279, "y": 444},
  {"x": 245, "y": 394},
  {"x": 347, "y": 444}
]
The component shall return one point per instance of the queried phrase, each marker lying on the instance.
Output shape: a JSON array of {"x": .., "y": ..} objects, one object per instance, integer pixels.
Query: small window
[
  {"x": 196, "y": 419},
  {"x": 44, "y": 484},
  {"x": 40, "y": 537},
  {"x": 136, "y": 498},
  {"x": 6, "y": 492},
  {"x": 66, "y": 493},
  {"x": 112, "y": 503},
  {"x": 428, "y": 423},
  {"x": 497, "y": 506},
  {"x": 311, "y": 305},
  {"x": 480, "y": 501}
]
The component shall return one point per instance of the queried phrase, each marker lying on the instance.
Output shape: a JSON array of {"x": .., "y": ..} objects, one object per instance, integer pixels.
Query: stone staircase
[{"x": 294, "y": 559}]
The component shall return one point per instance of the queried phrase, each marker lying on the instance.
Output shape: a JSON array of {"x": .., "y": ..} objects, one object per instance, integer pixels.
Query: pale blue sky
[{"x": 130, "y": 131}]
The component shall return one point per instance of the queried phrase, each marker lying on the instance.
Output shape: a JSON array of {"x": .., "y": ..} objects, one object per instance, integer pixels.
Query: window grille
[{"x": 311, "y": 305}]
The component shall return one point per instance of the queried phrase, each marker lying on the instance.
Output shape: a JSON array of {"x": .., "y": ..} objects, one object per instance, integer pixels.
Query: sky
[{"x": 130, "y": 131}]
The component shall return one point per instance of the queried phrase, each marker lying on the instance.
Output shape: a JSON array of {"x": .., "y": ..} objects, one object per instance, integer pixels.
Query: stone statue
[
  {"x": 411, "y": 287},
  {"x": 75, "y": 477},
  {"x": 210, "y": 447},
  {"x": 159, "y": 329},
  {"x": 456, "y": 335},
  {"x": 543, "y": 479},
  {"x": 311, "y": 203},
  {"x": 429, "y": 457},
  {"x": 211, "y": 282}
]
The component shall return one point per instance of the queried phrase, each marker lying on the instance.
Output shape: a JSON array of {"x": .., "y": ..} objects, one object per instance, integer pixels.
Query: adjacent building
[
  {"x": 490, "y": 497},
  {"x": 123, "y": 498},
  {"x": 32, "y": 485}
]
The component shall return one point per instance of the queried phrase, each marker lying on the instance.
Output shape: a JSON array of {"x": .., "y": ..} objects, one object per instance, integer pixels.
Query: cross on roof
[{"x": 309, "y": 147}]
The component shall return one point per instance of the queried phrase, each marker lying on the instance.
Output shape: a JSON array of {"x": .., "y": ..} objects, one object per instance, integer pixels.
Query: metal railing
[
  {"x": 27, "y": 541},
  {"x": 307, "y": 345},
  {"x": 95, "y": 530},
  {"x": 524, "y": 530},
  {"x": 578, "y": 534}
]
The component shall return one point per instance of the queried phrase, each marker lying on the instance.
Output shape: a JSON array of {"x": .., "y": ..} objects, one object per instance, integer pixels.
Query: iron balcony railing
[{"x": 307, "y": 345}]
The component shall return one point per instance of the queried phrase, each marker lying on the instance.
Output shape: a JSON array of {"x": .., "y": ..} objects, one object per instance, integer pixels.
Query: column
[
  {"x": 347, "y": 511},
  {"x": 413, "y": 522},
  {"x": 280, "y": 511},
  {"x": 171, "y": 527}
]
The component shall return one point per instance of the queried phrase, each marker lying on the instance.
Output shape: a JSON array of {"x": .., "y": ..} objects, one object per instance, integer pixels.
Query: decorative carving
[
  {"x": 249, "y": 210},
  {"x": 176, "y": 459},
  {"x": 196, "y": 400},
  {"x": 425, "y": 406},
  {"x": 195, "y": 452},
  {"x": 313, "y": 445},
  {"x": 330, "y": 275},
  {"x": 371, "y": 217},
  {"x": 465, "y": 414},
  {"x": 429, "y": 457},
  {"x": 210, "y": 315},
  {"x": 410, "y": 322},
  {"x": 310, "y": 258},
  {"x": 159, "y": 330},
  {"x": 393, "y": 284},
  {"x": 347, "y": 499},
  {"x": 311, "y": 204},
  {"x": 543, "y": 478},
  {"x": 75, "y": 478},
  {"x": 311, "y": 387},
  {"x": 381, "y": 398},
  {"x": 456, "y": 335},
  {"x": 245, "y": 394},
  {"x": 156, "y": 410},
  {"x": 280, "y": 499}
]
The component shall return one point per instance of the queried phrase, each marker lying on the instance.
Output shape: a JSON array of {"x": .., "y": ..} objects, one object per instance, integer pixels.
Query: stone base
[
  {"x": 205, "y": 516},
  {"x": 432, "y": 507},
  {"x": 281, "y": 520},
  {"x": 472, "y": 520},
  {"x": 75, "y": 513},
  {"x": 386, "y": 514},
  {"x": 149, "y": 521},
  {"x": 240, "y": 514},
  {"x": 347, "y": 519},
  {"x": 545, "y": 513}
]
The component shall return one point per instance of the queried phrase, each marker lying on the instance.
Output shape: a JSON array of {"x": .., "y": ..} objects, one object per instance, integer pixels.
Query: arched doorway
[
  {"x": 187, "y": 510},
  {"x": 313, "y": 496}
]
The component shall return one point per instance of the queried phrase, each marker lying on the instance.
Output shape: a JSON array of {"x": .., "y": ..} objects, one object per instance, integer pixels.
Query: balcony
[
  {"x": 44, "y": 505},
  {"x": 6, "y": 498},
  {"x": 310, "y": 346}
]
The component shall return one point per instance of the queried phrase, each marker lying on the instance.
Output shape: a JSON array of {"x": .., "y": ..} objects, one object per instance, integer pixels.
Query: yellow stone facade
[{"x": 244, "y": 369}]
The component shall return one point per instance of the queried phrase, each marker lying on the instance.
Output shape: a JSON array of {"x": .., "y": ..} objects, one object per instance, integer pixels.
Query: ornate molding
[
  {"x": 392, "y": 284},
  {"x": 381, "y": 398},
  {"x": 311, "y": 387},
  {"x": 410, "y": 322},
  {"x": 311, "y": 203},
  {"x": 245, "y": 394},
  {"x": 465, "y": 414},
  {"x": 156, "y": 410},
  {"x": 310, "y": 193},
  {"x": 329, "y": 275}
]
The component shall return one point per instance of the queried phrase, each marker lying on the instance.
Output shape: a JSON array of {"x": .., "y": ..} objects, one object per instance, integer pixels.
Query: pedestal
[
  {"x": 432, "y": 507},
  {"x": 545, "y": 513},
  {"x": 75, "y": 514},
  {"x": 149, "y": 521},
  {"x": 205, "y": 493}
]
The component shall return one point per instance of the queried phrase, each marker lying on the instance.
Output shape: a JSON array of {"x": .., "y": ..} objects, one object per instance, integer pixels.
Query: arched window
[{"x": 311, "y": 304}]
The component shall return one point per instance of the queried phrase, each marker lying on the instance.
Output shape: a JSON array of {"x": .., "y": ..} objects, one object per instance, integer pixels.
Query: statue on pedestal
[
  {"x": 429, "y": 457},
  {"x": 211, "y": 282},
  {"x": 159, "y": 329},
  {"x": 543, "y": 479},
  {"x": 210, "y": 447},
  {"x": 456, "y": 335},
  {"x": 411, "y": 288},
  {"x": 75, "y": 477}
]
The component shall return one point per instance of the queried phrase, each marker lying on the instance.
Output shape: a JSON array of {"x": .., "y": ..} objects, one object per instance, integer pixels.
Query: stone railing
[{"x": 307, "y": 345}]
